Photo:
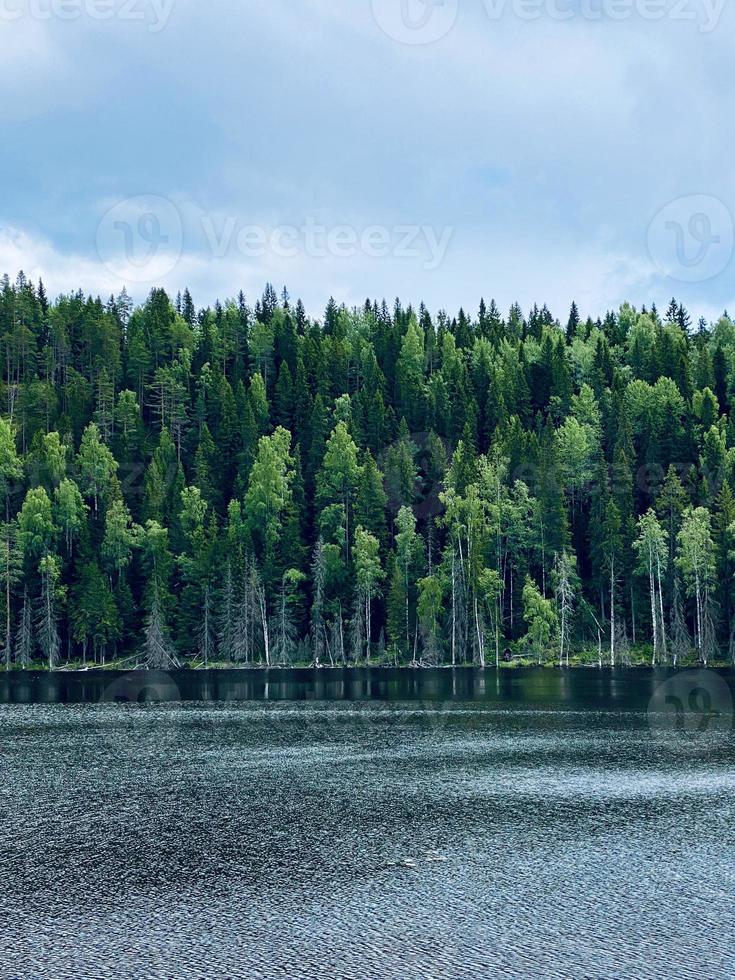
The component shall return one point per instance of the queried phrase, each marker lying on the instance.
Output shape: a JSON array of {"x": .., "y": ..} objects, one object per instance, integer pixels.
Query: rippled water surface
[{"x": 454, "y": 838}]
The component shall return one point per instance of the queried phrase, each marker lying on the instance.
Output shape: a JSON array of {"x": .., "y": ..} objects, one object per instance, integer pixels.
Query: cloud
[{"x": 547, "y": 147}]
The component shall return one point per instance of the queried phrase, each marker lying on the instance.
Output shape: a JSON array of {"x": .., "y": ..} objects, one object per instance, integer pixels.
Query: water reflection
[{"x": 606, "y": 689}]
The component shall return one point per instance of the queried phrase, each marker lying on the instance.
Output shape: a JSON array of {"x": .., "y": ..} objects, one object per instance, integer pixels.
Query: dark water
[{"x": 552, "y": 825}]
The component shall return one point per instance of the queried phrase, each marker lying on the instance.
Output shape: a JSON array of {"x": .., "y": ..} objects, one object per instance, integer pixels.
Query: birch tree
[
  {"x": 260, "y": 602},
  {"x": 612, "y": 546},
  {"x": 565, "y": 575},
  {"x": 541, "y": 619},
  {"x": 429, "y": 615},
  {"x": 696, "y": 560},
  {"x": 407, "y": 565},
  {"x": 368, "y": 576},
  {"x": 491, "y": 589},
  {"x": 652, "y": 549}
]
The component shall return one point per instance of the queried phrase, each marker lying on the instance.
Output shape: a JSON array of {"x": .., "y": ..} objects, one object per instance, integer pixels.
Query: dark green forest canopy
[{"x": 245, "y": 484}]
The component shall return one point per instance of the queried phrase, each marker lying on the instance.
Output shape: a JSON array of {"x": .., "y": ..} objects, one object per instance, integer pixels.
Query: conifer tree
[{"x": 24, "y": 637}]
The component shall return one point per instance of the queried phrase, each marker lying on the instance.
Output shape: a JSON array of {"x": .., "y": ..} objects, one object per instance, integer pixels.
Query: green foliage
[
  {"x": 556, "y": 483},
  {"x": 36, "y": 524},
  {"x": 269, "y": 496},
  {"x": 97, "y": 467},
  {"x": 540, "y": 618},
  {"x": 11, "y": 467}
]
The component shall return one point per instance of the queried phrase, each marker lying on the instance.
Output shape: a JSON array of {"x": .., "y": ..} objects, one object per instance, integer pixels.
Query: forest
[{"x": 245, "y": 485}]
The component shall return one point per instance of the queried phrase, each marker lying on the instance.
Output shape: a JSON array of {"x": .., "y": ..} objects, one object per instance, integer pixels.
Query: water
[{"x": 551, "y": 826}]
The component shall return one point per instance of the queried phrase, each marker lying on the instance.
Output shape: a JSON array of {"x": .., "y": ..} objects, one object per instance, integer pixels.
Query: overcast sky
[{"x": 538, "y": 150}]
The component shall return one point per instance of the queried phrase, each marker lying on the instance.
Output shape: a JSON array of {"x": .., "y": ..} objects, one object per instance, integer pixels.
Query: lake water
[{"x": 367, "y": 824}]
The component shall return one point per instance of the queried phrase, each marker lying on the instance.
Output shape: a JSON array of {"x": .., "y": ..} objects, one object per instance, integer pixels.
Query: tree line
[{"x": 248, "y": 485}]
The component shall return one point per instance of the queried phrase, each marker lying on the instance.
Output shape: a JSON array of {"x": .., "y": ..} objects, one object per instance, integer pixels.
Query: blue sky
[{"x": 530, "y": 150}]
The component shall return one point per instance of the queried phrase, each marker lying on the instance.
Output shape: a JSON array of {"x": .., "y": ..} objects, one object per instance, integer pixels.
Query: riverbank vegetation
[{"x": 246, "y": 485}]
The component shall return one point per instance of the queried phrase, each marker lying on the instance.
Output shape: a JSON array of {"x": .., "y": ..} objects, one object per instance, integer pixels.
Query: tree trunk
[
  {"x": 612, "y": 612},
  {"x": 664, "y": 649},
  {"x": 632, "y": 610},
  {"x": 654, "y": 610},
  {"x": 7, "y": 603},
  {"x": 480, "y": 638},
  {"x": 454, "y": 610}
]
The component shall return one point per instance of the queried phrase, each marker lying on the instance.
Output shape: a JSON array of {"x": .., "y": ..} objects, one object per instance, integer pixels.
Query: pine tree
[
  {"x": 97, "y": 466},
  {"x": 24, "y": 639},
  {"x": 681, "y": 643},
  {"x": 11, "y": 570},
  {"x": 244, "y": 639},
  {"x": 227, "y": 626},
  {"x": 572, "y": 323},
  {"x": 206, "y": 639},
  {"x": 47, "y": 628},
  {"x": 318, "y": 576},
  {"x": 284, "y": 626},
  {"x": 158, "y": 653},
  {"x": 306, "y": 438}
]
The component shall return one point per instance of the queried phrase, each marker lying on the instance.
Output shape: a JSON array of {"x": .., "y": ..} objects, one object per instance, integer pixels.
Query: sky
[{"x": 539, "y": 151}]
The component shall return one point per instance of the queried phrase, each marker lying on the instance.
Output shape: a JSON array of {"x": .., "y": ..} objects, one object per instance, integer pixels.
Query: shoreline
[{"x": 378, "y": 669}]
